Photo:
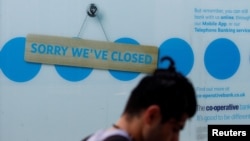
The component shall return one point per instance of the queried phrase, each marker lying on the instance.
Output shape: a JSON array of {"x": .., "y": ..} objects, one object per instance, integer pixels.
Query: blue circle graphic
[
  {"x": 73, "y": 73},
  {"x": 222, "y": 58},
  {"x": 180, "y": 51},
  {"x": 124, "y": 75},
  {"x": 13, "y": 64}
]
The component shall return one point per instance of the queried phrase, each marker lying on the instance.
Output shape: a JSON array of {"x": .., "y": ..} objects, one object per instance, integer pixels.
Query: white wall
[{"x": 37, "y": 103}]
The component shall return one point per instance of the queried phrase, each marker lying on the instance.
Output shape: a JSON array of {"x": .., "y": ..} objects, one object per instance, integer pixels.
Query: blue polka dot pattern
[
  {"x": 13, "y": 64},
  {"x": 181, "y": 53},
  {"x": 73, "y": 74},
  {"x": 124, "y": 75},
  {"x": 222, "y": 58}
]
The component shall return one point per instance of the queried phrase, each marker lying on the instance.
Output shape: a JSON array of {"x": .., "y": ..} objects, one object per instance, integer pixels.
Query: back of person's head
[{"x": 168, "y": 89}]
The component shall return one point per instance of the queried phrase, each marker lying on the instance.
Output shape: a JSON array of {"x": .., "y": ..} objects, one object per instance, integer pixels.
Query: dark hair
[{"x": 168, "y": 89}]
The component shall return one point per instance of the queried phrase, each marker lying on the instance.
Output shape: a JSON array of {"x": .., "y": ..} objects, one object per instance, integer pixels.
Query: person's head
[{"x": 163, "y": 101}]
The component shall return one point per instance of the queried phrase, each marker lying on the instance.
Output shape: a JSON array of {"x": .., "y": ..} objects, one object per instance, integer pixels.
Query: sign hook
[{"x": 92, "y": 10}]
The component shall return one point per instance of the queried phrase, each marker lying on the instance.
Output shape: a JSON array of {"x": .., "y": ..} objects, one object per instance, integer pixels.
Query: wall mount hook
[{"x": 92, "y": 10}]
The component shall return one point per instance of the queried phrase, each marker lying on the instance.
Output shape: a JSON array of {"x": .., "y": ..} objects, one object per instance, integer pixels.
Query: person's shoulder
[
  {"x": 116, "y": 138},
  {"x": 116, "y": 135},
  {"x": 108, "y": 135},
  {"x": 86, "y": 138}
]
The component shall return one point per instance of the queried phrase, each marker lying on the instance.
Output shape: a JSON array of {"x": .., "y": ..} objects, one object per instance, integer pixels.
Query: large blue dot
[
  {"x": 180, "y": 51},
  {"x": 124, "y": 75},
  {"x": 222, "y": 58},
  {"x": 12, "y": 61},
  {"x": 73, "y": 73}
]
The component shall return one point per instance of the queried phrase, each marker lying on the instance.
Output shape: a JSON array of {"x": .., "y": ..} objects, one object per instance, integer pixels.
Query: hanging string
[
  {"x": 102, "y": 28},
  {"x": 92, "y": 12},
  {"x": 83, "y": 23}
]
